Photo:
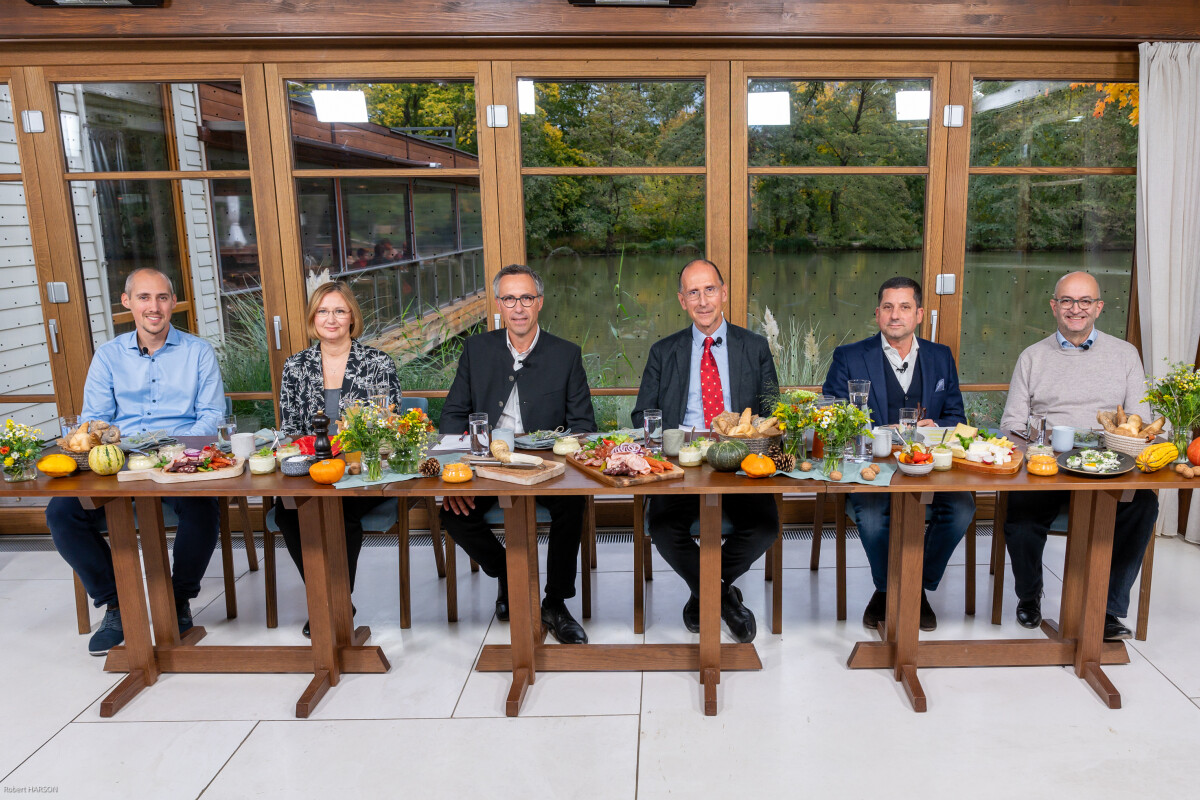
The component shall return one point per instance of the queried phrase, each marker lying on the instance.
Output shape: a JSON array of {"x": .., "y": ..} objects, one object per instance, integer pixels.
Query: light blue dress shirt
[
  {"x": 695, "y": 405},
  {"x": 1064, "y": 344},
  {"x": 177, "y": 389}
]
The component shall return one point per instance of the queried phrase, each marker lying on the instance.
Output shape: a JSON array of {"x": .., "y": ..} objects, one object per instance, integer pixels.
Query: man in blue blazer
[
  {"x": 692, "y": 375},
  {"x": 905, "y": 371}
]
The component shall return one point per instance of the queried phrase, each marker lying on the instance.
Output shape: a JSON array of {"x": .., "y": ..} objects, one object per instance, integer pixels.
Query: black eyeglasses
[
  {"x": 1084, "y": 303},
  {"x": 511, "y": 302}
]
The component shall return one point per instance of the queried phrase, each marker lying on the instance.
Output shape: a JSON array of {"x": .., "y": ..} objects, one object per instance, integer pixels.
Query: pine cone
[
  {"x": 430, "y": 468},
  {"x": 774, "y": 451},
  {"x": 784, "y": 462}
]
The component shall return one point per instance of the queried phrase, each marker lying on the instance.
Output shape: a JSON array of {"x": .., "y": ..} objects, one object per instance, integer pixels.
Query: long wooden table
[
  {"x": 152, "y": 641},
  {"x": 1076, "y": 639}
]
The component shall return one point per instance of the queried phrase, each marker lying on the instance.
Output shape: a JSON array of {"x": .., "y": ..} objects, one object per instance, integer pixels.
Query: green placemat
[
  {"x": 355, "y": 481},
  {"x": 850, "y": 474}
]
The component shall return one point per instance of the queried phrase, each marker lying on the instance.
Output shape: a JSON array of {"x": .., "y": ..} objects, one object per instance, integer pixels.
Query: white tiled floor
[{"x": 432, "y": 727}]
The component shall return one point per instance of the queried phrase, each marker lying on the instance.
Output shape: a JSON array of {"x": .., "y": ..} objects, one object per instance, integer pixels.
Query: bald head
[
  {"x": 702, "y": 294},
  {"x": 1076, "y": 305}
]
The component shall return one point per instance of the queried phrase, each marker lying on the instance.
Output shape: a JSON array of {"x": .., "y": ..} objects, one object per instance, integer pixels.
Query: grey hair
[
  {"x": 165, "y": 277},
  {"x": 517, "y": 269}
]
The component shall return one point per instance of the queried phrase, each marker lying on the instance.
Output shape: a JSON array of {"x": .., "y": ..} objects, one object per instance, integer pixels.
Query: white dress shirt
[
  {"x": 510, "y": 418},
  {"x": 905, "y": 375}
]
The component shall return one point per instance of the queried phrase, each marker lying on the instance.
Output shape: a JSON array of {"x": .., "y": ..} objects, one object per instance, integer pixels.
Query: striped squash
[
  {"x": 107, "y": 459},
  {"x": 1156, "y": 456}
]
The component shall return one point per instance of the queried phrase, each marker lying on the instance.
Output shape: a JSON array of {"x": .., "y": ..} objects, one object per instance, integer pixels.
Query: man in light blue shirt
[
  {"x": 153, "y": 378},
  {"x": 694, "y": 416}
]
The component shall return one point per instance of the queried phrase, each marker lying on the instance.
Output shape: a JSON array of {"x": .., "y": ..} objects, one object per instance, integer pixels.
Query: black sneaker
[
  {"x": 876, "y": 611},
  {"x": 928, "y": 619},
  {"x": 1114, "y": 631},
  {"x": 109, "y": 635}
]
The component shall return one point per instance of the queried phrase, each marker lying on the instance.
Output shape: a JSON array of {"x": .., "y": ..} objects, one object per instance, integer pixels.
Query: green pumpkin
[
  {"x": 106, "y": 459},
  {"x": 727, "y": 456}
]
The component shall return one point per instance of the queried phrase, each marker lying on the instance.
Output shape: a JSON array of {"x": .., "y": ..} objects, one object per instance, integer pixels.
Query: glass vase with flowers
[{"x": 1176, "y": 396}]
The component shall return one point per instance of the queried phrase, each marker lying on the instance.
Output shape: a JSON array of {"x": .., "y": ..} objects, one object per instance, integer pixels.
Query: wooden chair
[
  {"x": 643, "y": 556},
  {"x": 840, "y": 516},
  {"x": 83, "y": 620},
  {"x": 1059, "y": 527}
]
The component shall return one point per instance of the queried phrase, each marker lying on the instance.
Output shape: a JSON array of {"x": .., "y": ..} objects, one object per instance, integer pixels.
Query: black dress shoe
[
  {"x": 308, "y": 633},
  {"x": 691, "y": 614},
  {"x": 561, "y": 624},
  {"x": 502, "y": 602},
  {"x": 739, "y": 618},
  {"x": 1114, "y": 631},
  {"x": 1029, "y": 613},
  {"x": 928, "y": 618},
  {"x": 876, "y": 611}
]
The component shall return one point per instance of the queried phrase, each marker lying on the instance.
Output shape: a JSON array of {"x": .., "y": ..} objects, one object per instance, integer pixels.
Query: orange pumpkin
[
  {"x": 1042, "y": 465},
  {"x": 1193, "y": 451},
  {"x": 758, "y": 466},
  {"x": 328, "y": 471}
]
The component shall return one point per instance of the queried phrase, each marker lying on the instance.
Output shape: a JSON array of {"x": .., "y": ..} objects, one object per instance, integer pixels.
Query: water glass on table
[
  {"x": 860, "y": 392},
  {"x": 1035, "y": 430},
  {"x": 477, "y": 434},
  {"x": 652, "y": 426},
  {"x": 908, "y": 424},
  {"x": 225, "y": 431}
]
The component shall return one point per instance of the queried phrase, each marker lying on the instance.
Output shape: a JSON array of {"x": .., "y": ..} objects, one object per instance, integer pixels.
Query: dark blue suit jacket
[{"x": 865, "y": 361}]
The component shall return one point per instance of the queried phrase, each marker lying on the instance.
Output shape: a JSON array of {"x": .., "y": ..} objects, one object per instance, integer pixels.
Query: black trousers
[
  {"x": 474, "y": 535},
  {"x": 1030, "y": 515},
  {"x": 353, "y": 510},
  {"x": 755, "y": 521}
]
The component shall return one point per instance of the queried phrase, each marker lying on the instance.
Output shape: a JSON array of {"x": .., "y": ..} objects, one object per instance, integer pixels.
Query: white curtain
[{"x": 1168, "y": 222}]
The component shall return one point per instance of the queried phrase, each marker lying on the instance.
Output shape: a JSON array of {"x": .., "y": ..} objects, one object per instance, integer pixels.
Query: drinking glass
[
  {"x": 225, "y": 430},
  {"x": 652, "y": 426},
  {"x": 860, "y": 391},
  {"x": 477, "y": 428},
  {"x": 1035, "y": 430},
  {"x": 908, "y": 423}
]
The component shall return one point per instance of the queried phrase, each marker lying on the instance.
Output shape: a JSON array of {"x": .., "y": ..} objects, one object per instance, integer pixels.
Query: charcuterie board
[
  {"x": 1011, "y": 468},
  {"x": 158, "y": 476},
  {"x": 628, "y": 480},
  {"x": 525, "y": 476}
]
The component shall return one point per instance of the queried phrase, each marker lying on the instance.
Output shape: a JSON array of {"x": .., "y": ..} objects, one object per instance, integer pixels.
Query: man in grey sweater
[{"x": 1067, "y": 378}]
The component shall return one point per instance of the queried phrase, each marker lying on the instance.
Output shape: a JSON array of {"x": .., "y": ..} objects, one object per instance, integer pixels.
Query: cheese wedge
[{"x": 966, "y": 431}]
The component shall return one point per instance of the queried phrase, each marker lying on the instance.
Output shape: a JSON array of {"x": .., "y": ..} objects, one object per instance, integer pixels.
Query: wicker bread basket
[
  {"x": 81, "y": 459},
  {"x": 1129, "y": 445},
  {"x": 759, "y": 444}
]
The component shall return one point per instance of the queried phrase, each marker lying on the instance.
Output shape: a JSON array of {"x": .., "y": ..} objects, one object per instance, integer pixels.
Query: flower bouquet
[
  {"x": 412, "y": 436},
  {"x": 366, "y": 428},
  {"x": 1176, "y": 396},
  {"x": 19, "y": 448},
  {"x": 838, "y": 424},
  {"x": 794, "y": 410}
]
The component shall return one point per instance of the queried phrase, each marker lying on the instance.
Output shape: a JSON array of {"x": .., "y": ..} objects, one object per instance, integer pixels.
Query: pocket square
[{"x": 941, "y": 384}]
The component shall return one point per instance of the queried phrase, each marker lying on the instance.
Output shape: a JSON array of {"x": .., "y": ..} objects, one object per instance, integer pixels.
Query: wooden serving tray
[
  {"x": 628, "y": 480},
  {"x": 1011, "y": 468},
  {"x": 522, "y": 476},
  {"x": 158, "y": 476}
]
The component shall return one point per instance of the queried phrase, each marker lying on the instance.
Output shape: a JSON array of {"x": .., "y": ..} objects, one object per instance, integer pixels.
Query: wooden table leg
[
  {"x": 163, "y": 616},
  {"x": 524, "y": 595},
  {"x": 127, "y": 567},
  {"x": 1090, "y": 640},
  {"x": 775, "y": 559},
  {"x": 227, "y": 559},
  {"x": 814, "y": 558},
  {"x": 710, "y": 600},
  {"x": 1079, "y": 531},
  {"x": 906, "y": 557},
  {"x": 327, "y": 584},
  {"x": 639, "y": 565}
]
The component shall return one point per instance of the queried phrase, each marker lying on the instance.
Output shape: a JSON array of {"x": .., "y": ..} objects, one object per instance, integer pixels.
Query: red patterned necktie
[{"x": 711, "y": 393}]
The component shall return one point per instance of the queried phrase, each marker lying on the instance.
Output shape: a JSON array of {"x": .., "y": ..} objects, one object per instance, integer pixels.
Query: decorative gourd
[
  {"x": 758, "y": 466},
  {"x": 57, "y": 465},
  {"x": 327, "y": 471},
  {"x": 727, "y": 456},
  {"x": 1193, "y": 452},
  {"x": 1042, "y": 465},
  {"x": 107, "y": 459},
  {"x": 1156, "y": 456},
  {"x": 457, "y": 473}
]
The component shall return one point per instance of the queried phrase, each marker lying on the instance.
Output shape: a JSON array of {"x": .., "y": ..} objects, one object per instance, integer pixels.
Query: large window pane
[
  {"x": 1054, "y": 123},
  {"x": 611, "y": 123},
  {"x": 128, "y": 127},
  {"x": 819, "y": 249},
  {"x": 863, "y": 123},
  {"x": 383, "y": 124},
  {"x": 610, "y": 250}
]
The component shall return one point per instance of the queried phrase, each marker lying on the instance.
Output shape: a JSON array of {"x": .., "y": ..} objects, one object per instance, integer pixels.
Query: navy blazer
[
  {"x": 667, "y": 376},
  {"x": 865, "y": 361}
]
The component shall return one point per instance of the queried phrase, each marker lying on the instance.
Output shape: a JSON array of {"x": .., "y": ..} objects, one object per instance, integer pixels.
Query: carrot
[{"x": 662, "y": 466}]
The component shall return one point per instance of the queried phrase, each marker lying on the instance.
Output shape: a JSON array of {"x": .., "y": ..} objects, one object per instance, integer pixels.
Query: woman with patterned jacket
[{"x": 335, "y": 373}]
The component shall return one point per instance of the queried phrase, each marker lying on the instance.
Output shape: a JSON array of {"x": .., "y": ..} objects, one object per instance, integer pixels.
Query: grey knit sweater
[{"x": 1068, "y": 386}]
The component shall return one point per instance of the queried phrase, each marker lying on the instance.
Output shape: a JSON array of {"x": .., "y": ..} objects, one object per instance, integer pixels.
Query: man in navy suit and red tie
[
  {"x": 694, "y": 375},
  {"x": 905, "y": 371}
]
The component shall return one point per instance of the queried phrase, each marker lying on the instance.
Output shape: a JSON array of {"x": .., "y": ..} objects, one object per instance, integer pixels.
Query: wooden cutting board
[
  {"x": 628, "y": 480},
  {"x": 1011, "y": 468},
  {"x": 522, "y": 477},
  {"x": 158, "y": 476}
]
